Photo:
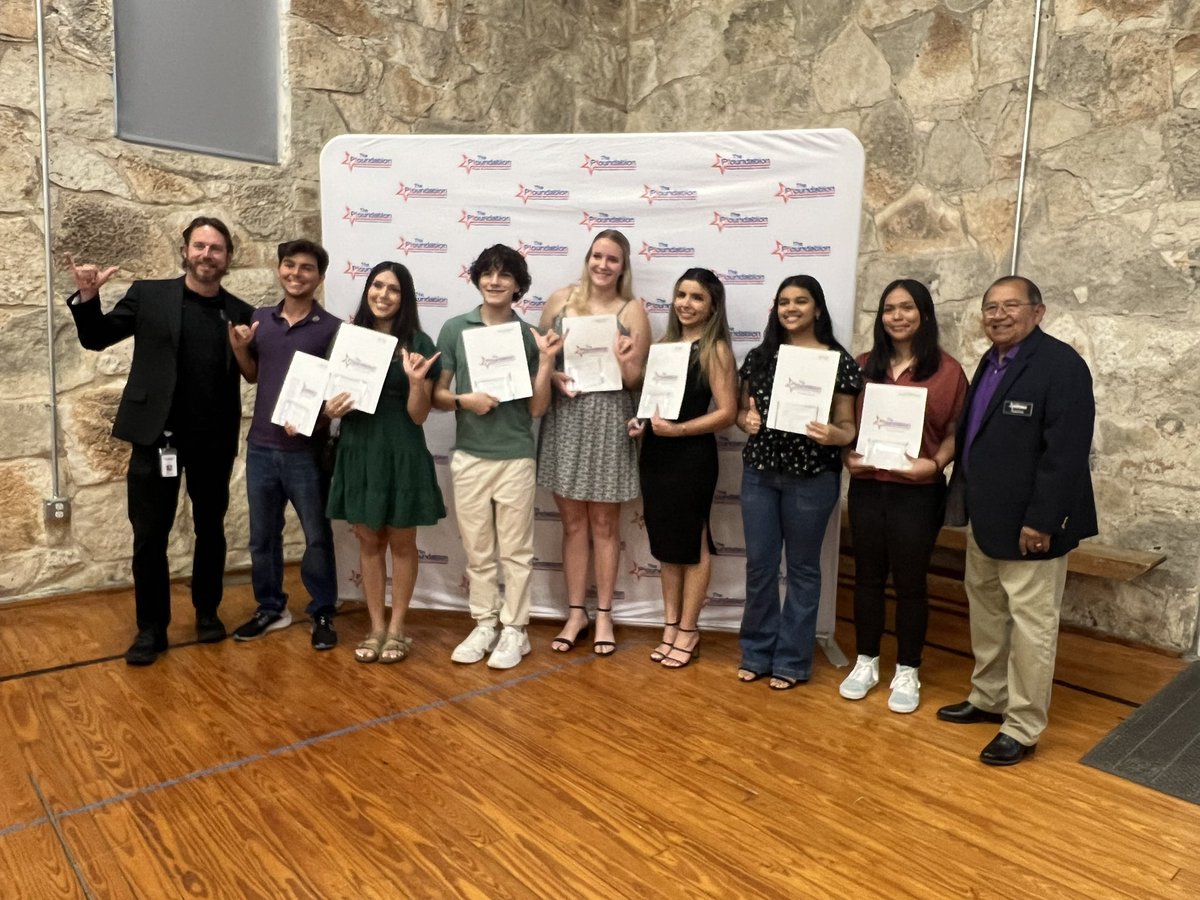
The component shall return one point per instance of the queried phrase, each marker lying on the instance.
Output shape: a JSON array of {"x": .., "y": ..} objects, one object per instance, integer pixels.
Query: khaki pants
[
  {"x": 493, "y": 499},
  {"x": 1015, "y": 606}
]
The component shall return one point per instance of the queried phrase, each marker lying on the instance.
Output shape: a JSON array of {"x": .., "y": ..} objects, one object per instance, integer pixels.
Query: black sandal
[
  {"x": 670, "y": 662},
  {"x": 655, "y": 655},
  {"x": 603, "y": 648},
  {"x": 579, "y": 635}
]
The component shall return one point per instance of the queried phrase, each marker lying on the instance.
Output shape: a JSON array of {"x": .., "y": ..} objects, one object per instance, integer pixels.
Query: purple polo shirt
[
  {"x": 273, "y": 346},
  {"x": 989, "y": 380}
]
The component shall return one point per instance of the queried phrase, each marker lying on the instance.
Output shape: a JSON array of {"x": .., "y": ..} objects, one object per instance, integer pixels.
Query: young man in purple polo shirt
[{"x": 283, "y": 467}]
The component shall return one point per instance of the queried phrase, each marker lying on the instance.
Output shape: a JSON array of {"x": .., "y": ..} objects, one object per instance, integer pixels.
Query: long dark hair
[
  {"x": 927, "y": 353},
  {"x": 405, "y": 323},
  {"x": 716, "y": 331},
  {"x": 773, "y": 334}
]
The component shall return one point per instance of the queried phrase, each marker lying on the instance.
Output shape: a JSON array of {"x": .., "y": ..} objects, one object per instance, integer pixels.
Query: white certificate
[
  {"x": 802, "y": 391},
  {"x": 893, "y": 417},
  {"x": 666, "y": 378},
  {"x": 496, "y": 361},
  {"x": 358, "y": 364},
  {"x": 302, "y": 393},
  {"x": 588, "y": 355}
]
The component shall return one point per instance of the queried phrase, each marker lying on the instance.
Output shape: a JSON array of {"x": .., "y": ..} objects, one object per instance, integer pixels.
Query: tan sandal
[
  {"x": 368, "y": 649},
  {"x": 395, "y": 649}
]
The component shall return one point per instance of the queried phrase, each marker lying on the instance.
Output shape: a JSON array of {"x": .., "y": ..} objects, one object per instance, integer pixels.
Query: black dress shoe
[
  {"x": 146, "y": 647},
  {"x": 209, "y": 629},
  {"x": 1005, "y": 751},
  {"x": 966, "y": 713}
]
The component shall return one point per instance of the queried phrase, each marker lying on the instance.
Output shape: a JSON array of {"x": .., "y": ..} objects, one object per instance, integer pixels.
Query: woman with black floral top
[{"x": 790, "y": 485}]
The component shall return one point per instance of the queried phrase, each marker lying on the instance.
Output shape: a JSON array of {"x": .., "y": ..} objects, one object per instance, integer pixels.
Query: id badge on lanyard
[{"x": 168, "y": 458}]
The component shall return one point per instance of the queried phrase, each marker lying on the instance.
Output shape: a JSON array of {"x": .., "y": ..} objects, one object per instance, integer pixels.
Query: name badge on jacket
[{"x": 1018, "y": 408}]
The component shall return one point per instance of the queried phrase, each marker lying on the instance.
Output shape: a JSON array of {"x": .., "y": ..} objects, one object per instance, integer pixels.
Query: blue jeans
[
  {"x": 783, "y": 512},
  {"x": 273, "y": 478}
]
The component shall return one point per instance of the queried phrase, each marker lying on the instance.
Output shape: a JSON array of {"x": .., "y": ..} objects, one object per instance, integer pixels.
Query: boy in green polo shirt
[{"x": 493, "y": 463}]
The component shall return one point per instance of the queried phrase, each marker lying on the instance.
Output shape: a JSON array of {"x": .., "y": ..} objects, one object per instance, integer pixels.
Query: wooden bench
[{"x": 945, "y": 572}]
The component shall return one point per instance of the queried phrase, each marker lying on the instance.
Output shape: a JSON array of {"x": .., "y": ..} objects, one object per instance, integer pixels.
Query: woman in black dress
[{"x": 678, "y": 466}]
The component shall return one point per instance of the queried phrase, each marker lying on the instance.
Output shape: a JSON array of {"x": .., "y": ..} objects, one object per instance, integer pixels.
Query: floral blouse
[{"x": 784, "y": 451}]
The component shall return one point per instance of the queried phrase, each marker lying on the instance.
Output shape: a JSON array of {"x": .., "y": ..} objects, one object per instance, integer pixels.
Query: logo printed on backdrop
[
  {"x": 802, "y": 191},
  {"x": 721, "y": 221},
  {"x": 531, "y": 303},
  {"x": 667, "y": 251},
  {"x": 755, "y": 336},
  {"x": 657, "y": 305},
  {"x": 732, "y": 276},
  {"x": 354, "y": 161},
  {"x": 481, "y": 218},
  {"x": 437, "y": 559},
  {"x": 728, "y": 550},
  {"x": 546, "y": 565},
  {"x": 737, "y": 163},
  {"x": 464, "y": 272},
  {"x": 420, "y": 192},
  {"x": 607, "y": 164},
  {"x": 649, "y": 570},
  {"x": 432, "y": 300},
  {"x": 537, "y": 248},
  {"x": 356, "y": 270},
  {"x": 799, "y": 249},
  {"x": 537, "y": 192},
  {"x": 367, "y": 216},
  {"x": 727, "y": 498},
  {"x": 604, "y": 220},
  {"x": 729, "y": 444},
  {"x": 662, "y": 193},
  {"x": 546, "y": 515},
  {"x": 416, "y": 245},
  {"x": 441, "y": 459},
  {"x": 715, "y": 599},
  {"x": 484, "y": 164}
]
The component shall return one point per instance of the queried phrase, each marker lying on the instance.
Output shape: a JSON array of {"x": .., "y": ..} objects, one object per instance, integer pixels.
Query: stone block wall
[{"x": 935, "y": 89}]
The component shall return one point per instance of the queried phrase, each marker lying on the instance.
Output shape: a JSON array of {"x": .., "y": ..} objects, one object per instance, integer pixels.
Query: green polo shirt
[{"x": 507, "y": 431}]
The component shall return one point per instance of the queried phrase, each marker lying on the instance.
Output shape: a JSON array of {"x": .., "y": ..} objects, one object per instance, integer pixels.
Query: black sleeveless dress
[{"x": 679, "y": 477}]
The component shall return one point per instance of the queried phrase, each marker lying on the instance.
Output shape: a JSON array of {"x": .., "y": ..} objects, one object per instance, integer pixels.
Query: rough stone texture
[
  {"x": 935, "y": 89},
  {"x": 23, "y": 483},
  {"x": 953, "y": 158},
  {"x": 942, "y": 80},
  {"x": 94, "y": 456},
  {"x": 920, "y": 223},
  {"x": 891, "y": 154},
  {"x": 851, "y": 72},
  {"x": 26, "y": 430}
]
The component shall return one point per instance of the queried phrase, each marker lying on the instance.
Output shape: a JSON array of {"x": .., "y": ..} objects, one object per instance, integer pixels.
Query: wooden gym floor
[{"x": 268, "y": 770}]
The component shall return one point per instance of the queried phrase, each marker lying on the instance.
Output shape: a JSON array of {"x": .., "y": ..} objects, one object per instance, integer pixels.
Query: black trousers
[
  {"x": 894, "y": 526},
  {"x": 153, "y": 501}
]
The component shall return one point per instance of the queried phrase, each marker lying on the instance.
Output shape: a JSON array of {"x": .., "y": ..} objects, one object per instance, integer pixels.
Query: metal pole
[
  {"x": 1033, "y": 59},
  {"x": 46, "y": 233}
]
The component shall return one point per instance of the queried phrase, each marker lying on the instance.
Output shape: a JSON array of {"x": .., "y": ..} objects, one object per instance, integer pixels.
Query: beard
[{"x": 203, "y": 272}]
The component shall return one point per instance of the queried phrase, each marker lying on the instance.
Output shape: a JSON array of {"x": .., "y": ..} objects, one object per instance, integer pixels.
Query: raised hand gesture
[{"x": 89, "y": 278}]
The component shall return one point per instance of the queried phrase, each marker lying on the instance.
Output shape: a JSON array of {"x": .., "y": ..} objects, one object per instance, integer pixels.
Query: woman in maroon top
[{"x": 895, "y": 516}]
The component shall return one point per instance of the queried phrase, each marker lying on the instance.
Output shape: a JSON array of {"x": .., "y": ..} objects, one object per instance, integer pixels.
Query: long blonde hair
[{"x": 577, "y": 302}]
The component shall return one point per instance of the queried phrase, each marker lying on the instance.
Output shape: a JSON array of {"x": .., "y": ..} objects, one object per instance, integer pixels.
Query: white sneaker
[
  {"x": 906, "y": 690},
  {"x": 860, "y": 681},
  {"x": 478, "y": 644},
  {"x": 513, "y": 644}
]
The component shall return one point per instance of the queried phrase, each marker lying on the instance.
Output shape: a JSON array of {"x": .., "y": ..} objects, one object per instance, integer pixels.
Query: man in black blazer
[
  {"x": 1023, "y": 485},
  {"x": 181, "y": 410}
]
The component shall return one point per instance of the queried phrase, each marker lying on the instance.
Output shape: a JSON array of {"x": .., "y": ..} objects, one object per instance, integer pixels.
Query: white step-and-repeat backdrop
[{"x": 752, "y": 206}]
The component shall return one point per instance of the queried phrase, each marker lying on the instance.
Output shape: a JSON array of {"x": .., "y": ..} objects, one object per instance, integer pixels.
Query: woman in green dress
[{"x": 384, "y": 482}]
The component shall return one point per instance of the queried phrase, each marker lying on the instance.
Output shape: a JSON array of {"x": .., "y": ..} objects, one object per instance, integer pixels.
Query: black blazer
[
  {"x": 1028, "y": 464},
  {"x": 152, "y": 313}
]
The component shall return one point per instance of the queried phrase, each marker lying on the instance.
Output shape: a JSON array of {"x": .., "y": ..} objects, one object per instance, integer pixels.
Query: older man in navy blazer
[
  {"x": 181, "y": 411},
  {"x": 1022, "y": 484}
]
